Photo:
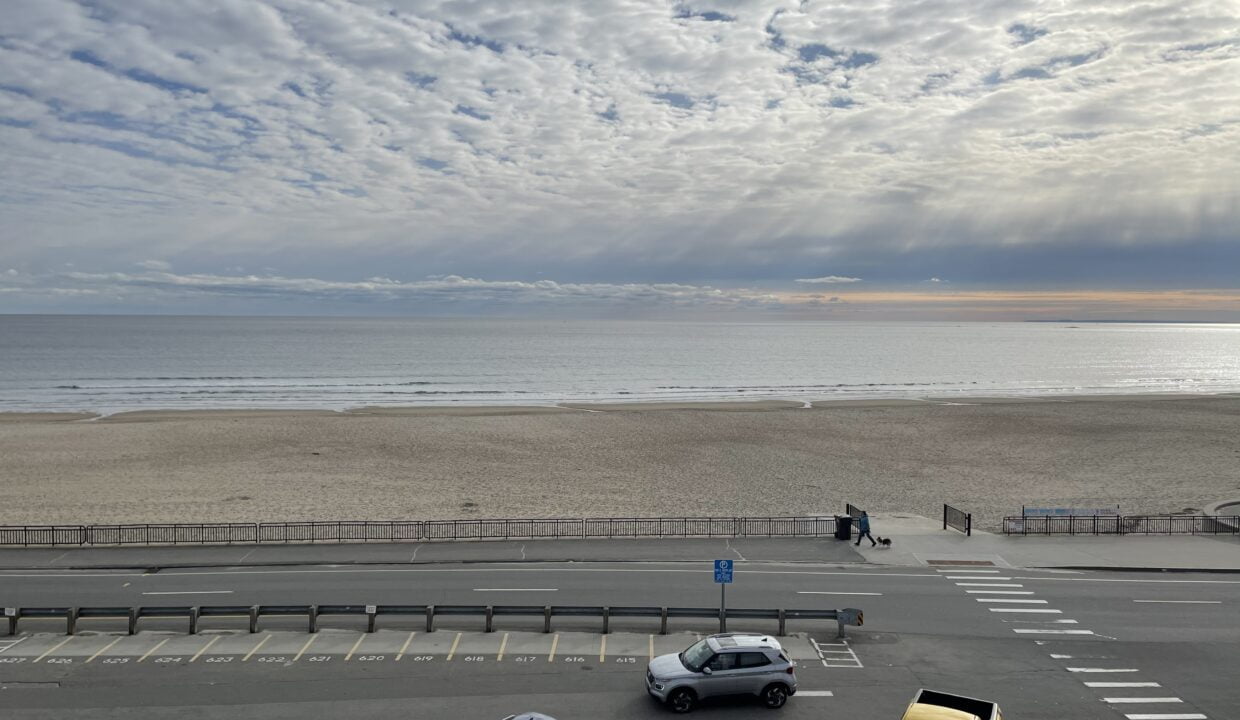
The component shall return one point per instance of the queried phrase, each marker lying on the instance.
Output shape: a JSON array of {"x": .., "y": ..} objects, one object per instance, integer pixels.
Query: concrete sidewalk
[{"x": 917, "y": 541}]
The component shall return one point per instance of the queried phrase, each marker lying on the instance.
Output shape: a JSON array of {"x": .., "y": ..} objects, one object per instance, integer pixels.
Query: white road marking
[
  {"x": 190, "y": 592},
  {"x": 1132, "y": 580},
  {"x": 360, "y": 638},
  {"x": 515, "y": 589},
  {"x": 1118, "y": 700},
  {"x": 1045, "y": 611},
  {"x": 147, "y": 654},
  {"x": 1183, "y": 602},
  {"x": 1039, "y": 631},
  {"x": 103, "y": 650},
  {"x": 1121, "y": 684},
  {"x": 9, "y": 644},
  {"x": 1061, "y": 657},
  {"x": 1101, "y": 670},
  {"x": 455, "y": 641},
  {"x": 999, "y": 592},
  {"x": 206, "y": 647},
  {"x": 1167, "y": 716},
  {"x": 1026, "y": 601},
  {"x": 970, "y": 577},
  {"x": 256, "y": 647},
  {"x": 409, "y": 639},
  {"x": 962, "y": 570},
  {"x": 995, "y": 585},
  {"x": 488, "y": 569},
  {"x": 56, "y": 647},
  {"x": 303, "y": 649},
  {"x": 815, "y": 693},
  {"x": 827, "y": 592}
]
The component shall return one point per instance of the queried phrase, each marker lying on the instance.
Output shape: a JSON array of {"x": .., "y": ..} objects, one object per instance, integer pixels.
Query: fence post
[
  {"x": 968, "y": 525},
  {"x": 944, "y": 516}
]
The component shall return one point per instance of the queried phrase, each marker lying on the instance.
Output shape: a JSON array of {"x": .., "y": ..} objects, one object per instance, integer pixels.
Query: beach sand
[{"x": 989, "y": 456}]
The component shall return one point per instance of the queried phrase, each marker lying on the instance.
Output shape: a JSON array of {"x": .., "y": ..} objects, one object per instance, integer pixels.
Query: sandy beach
[{"x": 987, "y": 455}]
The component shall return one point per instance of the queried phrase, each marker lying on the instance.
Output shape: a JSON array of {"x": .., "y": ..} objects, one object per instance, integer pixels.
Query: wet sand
[{"x": 986, "y": 455}]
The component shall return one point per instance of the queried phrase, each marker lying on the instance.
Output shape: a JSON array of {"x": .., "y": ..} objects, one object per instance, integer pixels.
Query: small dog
[{"x": 885, "y": 542}]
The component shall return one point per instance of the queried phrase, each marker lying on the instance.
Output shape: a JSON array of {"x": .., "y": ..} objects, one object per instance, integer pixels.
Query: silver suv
[{"x": 727, "y": 664}]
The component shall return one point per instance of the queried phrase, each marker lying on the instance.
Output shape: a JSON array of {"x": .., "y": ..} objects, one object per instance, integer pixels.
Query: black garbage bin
[{"x": 843, "y": 527}]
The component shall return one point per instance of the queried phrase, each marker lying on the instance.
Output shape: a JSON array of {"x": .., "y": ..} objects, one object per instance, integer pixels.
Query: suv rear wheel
[
  {"x": 775, "y": 695},
  {"x": 681, "y": 700}
]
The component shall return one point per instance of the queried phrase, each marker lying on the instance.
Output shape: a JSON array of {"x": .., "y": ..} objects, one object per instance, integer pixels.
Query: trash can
[{"x": 843, "y": 527}]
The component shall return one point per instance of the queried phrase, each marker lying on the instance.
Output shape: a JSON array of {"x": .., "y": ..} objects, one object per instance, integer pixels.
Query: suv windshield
[{"x": 698, "y": 654}]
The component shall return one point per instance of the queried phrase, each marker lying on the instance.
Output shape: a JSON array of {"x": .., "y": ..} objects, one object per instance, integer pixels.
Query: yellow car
[{"x": 934, "y": 705}]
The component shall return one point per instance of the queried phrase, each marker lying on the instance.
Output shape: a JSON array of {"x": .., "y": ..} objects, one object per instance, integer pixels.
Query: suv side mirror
[{"x": 706, "y": 670}]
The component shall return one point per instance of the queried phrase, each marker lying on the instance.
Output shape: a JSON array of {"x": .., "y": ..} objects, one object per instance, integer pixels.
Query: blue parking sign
[{"x": 723, "y": 571}]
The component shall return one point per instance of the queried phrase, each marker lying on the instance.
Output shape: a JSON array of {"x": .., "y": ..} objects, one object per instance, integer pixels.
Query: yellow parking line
[
  {"x": 602, "y": 649},
  {"x": 104, "y": 649},
  {"x": 652, "y": 647},
  {"x": 148, "y": 652},
  {"x": 303, "y": 647},
  {"x": 455, "y": 642},
  {"x": 54, "y": 648},
  {"x": 502, "y": 644},
  {"x": 354, "y": 648},
  {"x": 256, "y": 647},
  {"x": 198, "y": 654},
  {"x": 405, "y": 647},
  {"x": 555, "y": 642}
]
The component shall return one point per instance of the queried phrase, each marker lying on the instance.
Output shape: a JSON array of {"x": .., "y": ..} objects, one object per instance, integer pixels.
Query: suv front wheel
[
  {"x": 774, "y": 696},
  {"x": 681, "y": 700}
]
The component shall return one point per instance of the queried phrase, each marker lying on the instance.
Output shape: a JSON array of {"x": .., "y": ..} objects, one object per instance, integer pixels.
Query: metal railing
[
  {"x": 852, "y": 510},
  {"x": 414, "y": 530},
  {"x": 958, "y": 519},
  {"x": 194, "y": 614},
  {"x": 1122, "y": 525}
]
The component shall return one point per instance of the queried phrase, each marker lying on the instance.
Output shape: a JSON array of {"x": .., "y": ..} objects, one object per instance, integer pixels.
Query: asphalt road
[{"x": 1031, "y": 640}]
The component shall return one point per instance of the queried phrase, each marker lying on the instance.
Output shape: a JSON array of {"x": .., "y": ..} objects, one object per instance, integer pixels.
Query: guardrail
[
  {"x": 958, "y": 519},
  {"x": 1122, "y": 525},
  {"x": 312, "y": 613},
  {"x": 413, "y": 530}
]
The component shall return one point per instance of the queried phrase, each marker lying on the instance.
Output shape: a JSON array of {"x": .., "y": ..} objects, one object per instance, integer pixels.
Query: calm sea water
[{"x": 110, "y": 364}]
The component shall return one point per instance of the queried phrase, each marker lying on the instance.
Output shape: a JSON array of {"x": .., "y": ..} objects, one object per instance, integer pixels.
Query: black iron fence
[
  {"x": 852, "y": 510},
  {"x": 194, "y": 614},
  {"x": 1122, "y": 525},
  {"x": 958, "y": 519},
  {"x": 414, "y": 530}
]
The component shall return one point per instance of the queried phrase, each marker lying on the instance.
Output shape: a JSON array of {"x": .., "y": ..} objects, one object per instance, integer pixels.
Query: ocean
[{"x": 109, "y": 364}]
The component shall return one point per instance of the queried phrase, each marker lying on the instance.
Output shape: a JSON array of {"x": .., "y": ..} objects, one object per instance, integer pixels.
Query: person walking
[{"x": 863, "y": 529}]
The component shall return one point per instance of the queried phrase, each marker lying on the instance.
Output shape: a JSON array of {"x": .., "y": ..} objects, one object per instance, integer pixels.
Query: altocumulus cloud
[
  {"x": 726, "y": 143},
  {"x": 829, "y": 280}
]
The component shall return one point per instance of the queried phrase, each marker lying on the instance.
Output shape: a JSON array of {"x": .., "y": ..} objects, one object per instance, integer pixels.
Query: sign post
[{"x": 723, "y": 576}]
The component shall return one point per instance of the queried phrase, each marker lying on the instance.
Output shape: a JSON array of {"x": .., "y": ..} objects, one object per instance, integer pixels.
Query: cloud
[
  {"x": 155, "y": 265},
  {"x": 935, "y": 280},
  {"x": 664, "y": 143},
  {"x": 829, "y": 280}
]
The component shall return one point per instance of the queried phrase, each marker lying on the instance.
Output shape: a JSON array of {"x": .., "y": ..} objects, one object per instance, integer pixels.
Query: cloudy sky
[{"x": 947, "y": 158}]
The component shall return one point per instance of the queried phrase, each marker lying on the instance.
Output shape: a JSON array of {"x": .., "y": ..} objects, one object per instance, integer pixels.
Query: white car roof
[{"x": 745, "y": 640}]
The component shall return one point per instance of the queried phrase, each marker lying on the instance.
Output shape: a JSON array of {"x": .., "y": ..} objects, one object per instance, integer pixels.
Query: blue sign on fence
[{"x": 723, "y": 571}]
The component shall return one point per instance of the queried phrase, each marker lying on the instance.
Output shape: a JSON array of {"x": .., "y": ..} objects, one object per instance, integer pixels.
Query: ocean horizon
[{"x": 110, "y": 363}]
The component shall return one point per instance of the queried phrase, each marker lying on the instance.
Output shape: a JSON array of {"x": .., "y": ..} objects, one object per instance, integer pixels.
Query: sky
[{"x": 945, "y": 159}]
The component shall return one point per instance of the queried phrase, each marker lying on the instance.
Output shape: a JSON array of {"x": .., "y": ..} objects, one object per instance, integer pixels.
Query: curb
[{"x": 1113, "y": 568}]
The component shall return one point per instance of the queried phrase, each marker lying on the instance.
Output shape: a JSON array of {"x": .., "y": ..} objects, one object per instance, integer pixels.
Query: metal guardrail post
[
  {"x": 663, "y": 621},
  {"x": 783, "y": 621},
  {"x": 193, "y": 620},
  {"x": 490, "y": 619},
  {"x": 840, "y": 622},
  {"x": 430, "y": 618},
  {"x": 253, "y": 619},
  {"x": 133, "y": 620},
  {"x": 546, "y": 619},
  {"x": 71, "y": 620},
  {"x": 606, "y": 618},
  {"x": 312, "y": 619},
  {"x": 11, "y": 614},
  {"x": 371, "y": 613}
]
